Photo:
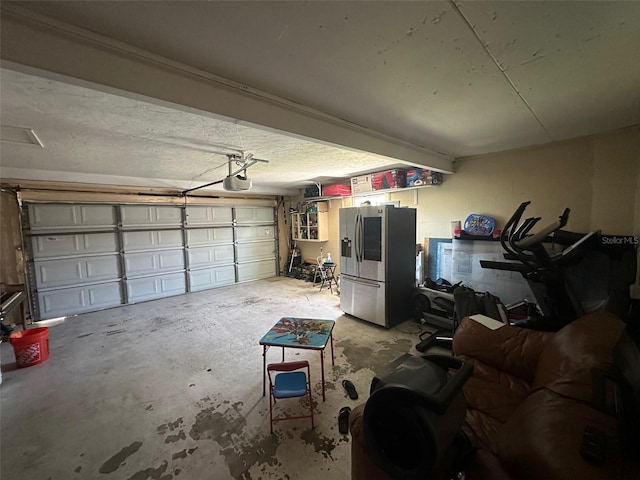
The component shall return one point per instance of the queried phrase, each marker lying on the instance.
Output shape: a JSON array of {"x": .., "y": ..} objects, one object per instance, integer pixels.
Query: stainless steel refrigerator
[{"x": 377, "y": 263}]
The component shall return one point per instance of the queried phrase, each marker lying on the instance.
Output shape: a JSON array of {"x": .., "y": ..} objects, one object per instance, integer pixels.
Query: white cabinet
[{"x": 312, "y": 225}]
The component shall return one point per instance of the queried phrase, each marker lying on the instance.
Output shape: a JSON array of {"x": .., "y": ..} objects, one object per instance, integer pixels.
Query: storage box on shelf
[
  {"x": 310, "y": 223},
  {"x": 342, "y": 190},
  {"x": 361, "y": 184},
  {"x": 377, "y": 182},
  {"x": 389, "y": 179},
  {"x": 420, "y": 176}
]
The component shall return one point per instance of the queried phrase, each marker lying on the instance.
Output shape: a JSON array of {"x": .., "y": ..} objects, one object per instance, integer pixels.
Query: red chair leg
[
  {"x": 310, "y": 398},
  {"x": 311, "y": 403},
  {"x": 270, "y": 409}
]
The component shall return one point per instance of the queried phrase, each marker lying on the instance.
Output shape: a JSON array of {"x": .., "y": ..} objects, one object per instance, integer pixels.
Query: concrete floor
[{"x": 172, "y": 389}]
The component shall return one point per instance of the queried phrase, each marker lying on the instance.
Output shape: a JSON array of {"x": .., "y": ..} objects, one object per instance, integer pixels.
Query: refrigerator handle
[
  {"x": 355, "y": 237},
  {"x": 358, "y": 235},
  {"x": 361, "y": 238}
]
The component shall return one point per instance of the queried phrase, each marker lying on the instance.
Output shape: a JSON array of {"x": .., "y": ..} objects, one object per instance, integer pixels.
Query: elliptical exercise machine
[
  {"x": 455, "y": 302},
  {"x": 580, "y": 274},
  {"x": 548, "y": 272}
]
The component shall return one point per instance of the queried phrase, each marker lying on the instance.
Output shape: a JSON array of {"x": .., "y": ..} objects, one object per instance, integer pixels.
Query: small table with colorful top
[{"x": 307, "y": 333}]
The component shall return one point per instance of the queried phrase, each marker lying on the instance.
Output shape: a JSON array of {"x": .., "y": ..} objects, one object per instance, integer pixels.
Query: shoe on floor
[
  {"x": 343, "y": 420},
  {"x": 351, "y": 389}
]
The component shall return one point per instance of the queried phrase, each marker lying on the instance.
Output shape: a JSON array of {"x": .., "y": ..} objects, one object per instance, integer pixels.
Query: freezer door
[
  {"x": 363, "y": 299},
  {"x": 348, "y": 261}
]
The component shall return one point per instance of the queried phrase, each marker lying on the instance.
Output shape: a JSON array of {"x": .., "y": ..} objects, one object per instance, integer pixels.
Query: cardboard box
[
  {"x": 421, "y": 176},
  {"x": 389, "y": 179},
  {"x": 361, "y": 184},
  {"x": 338, "y": 189}
]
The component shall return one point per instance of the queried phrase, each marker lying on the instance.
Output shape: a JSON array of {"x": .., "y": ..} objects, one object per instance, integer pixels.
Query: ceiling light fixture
[{"x": 236, "y": 180}]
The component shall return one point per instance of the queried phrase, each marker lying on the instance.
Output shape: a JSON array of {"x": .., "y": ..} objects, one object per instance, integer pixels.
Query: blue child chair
[{"x": 290, "y": 382}]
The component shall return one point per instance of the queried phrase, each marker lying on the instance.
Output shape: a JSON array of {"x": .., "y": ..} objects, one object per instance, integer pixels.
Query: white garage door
[
  {"x": 88, "y": 257},
  {"x": 153, "y": 252},
  {"x": 255, "y": 243}
]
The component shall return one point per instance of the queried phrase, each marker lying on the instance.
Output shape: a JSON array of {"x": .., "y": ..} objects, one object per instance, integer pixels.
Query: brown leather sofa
[{"x": 530, "y": 398}]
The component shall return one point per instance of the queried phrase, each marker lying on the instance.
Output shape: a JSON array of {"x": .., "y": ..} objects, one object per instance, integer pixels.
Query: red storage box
[
  {"x": 339, "y": 189},
  {"x": 389, "y": 179}
]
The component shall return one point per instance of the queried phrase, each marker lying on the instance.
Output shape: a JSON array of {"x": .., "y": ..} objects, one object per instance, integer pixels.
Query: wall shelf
[
  {"x": 466, "y": 236},
  {"x": 365, "y": 194},
  {"x": 311, "y": 226}
]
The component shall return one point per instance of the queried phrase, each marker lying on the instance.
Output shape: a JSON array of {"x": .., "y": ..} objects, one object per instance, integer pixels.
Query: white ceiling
[
  {"x": 95, "y": 137},
  {"x": 460, "y": 78}
]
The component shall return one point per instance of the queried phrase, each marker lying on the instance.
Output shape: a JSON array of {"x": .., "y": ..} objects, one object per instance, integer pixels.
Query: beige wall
[
  {"x": 597, "y": 177},
  {"x": 637, "y": 208},
  {"x": 615, "y": 182},
  {"x": 637, "y": 221}
]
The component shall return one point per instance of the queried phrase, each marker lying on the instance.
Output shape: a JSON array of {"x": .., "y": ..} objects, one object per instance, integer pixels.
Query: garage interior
[{"x": 121, "y": 121}]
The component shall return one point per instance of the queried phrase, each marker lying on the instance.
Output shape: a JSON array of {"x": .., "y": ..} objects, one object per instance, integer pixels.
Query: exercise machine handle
[
  {"x": 527, "y": 225},
  {"x": 517, "y": 215},
  {"x": 512, "y": 222},
  {"x": 538, "y": 237}
]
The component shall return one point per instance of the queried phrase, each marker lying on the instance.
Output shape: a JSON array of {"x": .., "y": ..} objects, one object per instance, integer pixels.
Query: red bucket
[{"x": 30, "y": 347}]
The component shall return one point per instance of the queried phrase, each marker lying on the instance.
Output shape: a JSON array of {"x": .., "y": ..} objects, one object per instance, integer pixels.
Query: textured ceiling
[
  {"x": 91, "y": 136},
  {"x": 461, "y": 78}
]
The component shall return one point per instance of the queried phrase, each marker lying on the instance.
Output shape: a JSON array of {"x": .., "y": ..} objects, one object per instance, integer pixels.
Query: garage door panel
[
  {"x": 142, "y": 252},
  {"x": 212, "y": 277},
  {"x": 74, "y": 271},
  {"x": 209, "y": 236},
  {"x": 60, "y": 217},
  {"x": 249, "y": 215},
  {"x": 79, "y": 299},
  {"x": 262, "y": 232},
  {"x": 207, "y": 256},
  {"x": 151, "y": 239},
  {"x": 159, "y": 286},
  {"x": 49, "y": 246},
  {"x": 209, "y": 215},
  {"x": 256, "y": 251},
  {"x": 256, "y": 270},
  {"x": 145, "y": 263},
  {"x": 150, "y": 215}
]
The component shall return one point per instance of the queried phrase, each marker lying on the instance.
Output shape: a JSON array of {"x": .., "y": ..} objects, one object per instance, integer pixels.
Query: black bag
[
  {"x": 494, "y": 308},
  {"x": 468, "y": 302}
]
